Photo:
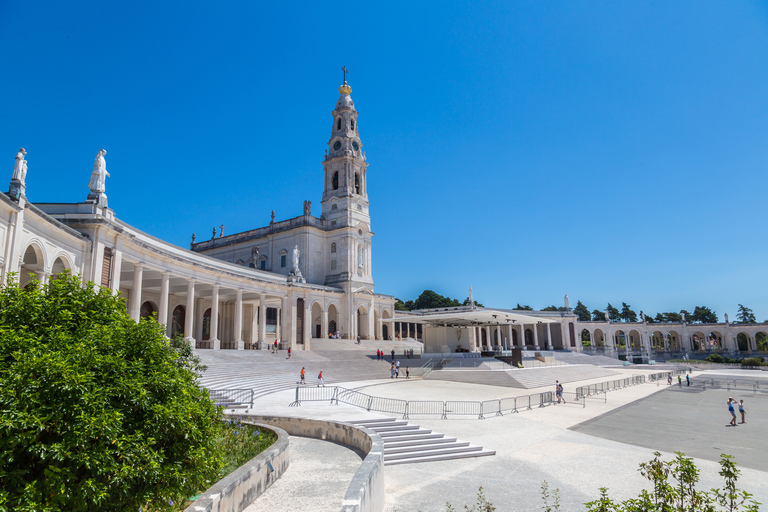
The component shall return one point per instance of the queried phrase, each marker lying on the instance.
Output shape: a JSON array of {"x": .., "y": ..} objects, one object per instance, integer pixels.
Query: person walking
[
  {"x": 742, "y": 411},
  {"x": 289, "y": 352},
  {"x": 559, "y": 391},
  {"x": 688, "y": 379},
  {"x": 392, "y": 371},
  {"x": 731, "y": 401},
  {"x": 358, "y": 339},
  {"x": 303, "y": 377},
  {"x": 275, "y": 346},
  {"x": 407, "y": 373},
  {"x": 393, "y": 355},
  {"x": 320, "y": 379},
  {"x": 679, "y": 381},
  {"x": 669, "y": 379}
]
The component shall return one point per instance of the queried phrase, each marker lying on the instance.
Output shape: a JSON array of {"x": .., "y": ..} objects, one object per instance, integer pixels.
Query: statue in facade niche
[
  {"x": 360, "y": 257},
  {"x": 20, "y": 167},
  {"x": 295, "y": 257},
  {"x": 99, "y": 174}
]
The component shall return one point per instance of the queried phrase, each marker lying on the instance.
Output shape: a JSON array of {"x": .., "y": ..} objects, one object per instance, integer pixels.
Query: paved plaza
[{"x": 575, "y": 449}]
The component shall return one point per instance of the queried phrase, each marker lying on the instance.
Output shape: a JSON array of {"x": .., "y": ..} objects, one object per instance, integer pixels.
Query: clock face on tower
[
  {"x": 337, "y": 145},
  {"x": 354, "y": 145}
]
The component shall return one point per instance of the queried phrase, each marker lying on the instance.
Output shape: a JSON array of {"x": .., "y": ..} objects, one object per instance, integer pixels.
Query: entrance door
[
  {"x": 318, "y": 331},
  {"x": 299, "y": 320}
]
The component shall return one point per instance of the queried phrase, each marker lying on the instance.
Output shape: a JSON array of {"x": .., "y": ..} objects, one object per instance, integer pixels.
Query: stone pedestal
[
  {"x": 240, "y": 345},
  {"x": 216, "y": 344},
  {"x": 98, "y": 198},
  {"x": 16, "y": 190}
]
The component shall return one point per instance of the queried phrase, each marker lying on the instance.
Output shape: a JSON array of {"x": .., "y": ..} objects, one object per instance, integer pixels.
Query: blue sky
[{"x": 613, "y": 151}]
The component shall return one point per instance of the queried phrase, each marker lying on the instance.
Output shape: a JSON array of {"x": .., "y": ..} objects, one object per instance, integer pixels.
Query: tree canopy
[
  {"x": 745, "y": 316},
  {"x": 582, "y": 312},
  {"x": 97, "y": 412},
  {"x": 430, "y": 299}
]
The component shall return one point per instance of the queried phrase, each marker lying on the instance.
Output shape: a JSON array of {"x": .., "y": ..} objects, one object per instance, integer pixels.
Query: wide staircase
[
  {"x": 585, "y": 358},
  {"x": 523, "y": 378},
  {"x": 267, "y": 373},
  {"x": 407, "y": 444}
]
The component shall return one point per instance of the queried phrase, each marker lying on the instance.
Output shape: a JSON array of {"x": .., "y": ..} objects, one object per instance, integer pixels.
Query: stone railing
[
  {"x": 238, "y": 489},
  {"x": 366, "y": 491}
]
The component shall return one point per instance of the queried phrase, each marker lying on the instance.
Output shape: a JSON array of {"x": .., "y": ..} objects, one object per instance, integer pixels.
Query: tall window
[
  {"x": 335, "y": 180},
  {"x": 263, "y": 264},
  {"x": 333, "y": 247},
  {"x": 352, "y": 123},
  {"x": 333, "y": 264},
  {"x": 282, "y": 260},
  {"x": 338, "y": 124},
  {"x": 357, "y": 183}
]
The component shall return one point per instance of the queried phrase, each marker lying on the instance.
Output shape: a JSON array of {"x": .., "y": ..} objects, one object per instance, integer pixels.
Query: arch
[
  {"x": 333, "y": 247},
  {"x": 585, "y": 338},
  {"x": 316, "y": 319},
  {"x": 335, "y": 181},
  {"x": 338, "y": 123},
  {"x": 657, "y": 341},
  {"x": 62, "y": 262},
  {"x": 715, "y": 340},
  {"x": 33, "y": 263},
  {"x": 528, "y": 337},
  {"x": 673, "y": 340},
  {"x": 178, "y": 320},
  {"x": 742, "y": 342},
  {"x": 148, "y": 308},
  {"x": 761, "y": 340},
  {"x": 599, "y": 339},
  {"x": 352, "y": 124},
  {"x": 698, "y": 341},
  {"x": 634, "y": 339},
  {"x": 385, "y": 331},
  {"x": 620, "y": 339},
  {"x": 333, "y": 319},
  {"x": 362, "y": 322},
  {"x": 283, "y": 255},
  {"x": 357, "y": 183}
]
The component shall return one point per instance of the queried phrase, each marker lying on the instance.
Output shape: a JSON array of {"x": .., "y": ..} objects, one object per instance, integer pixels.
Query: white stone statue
[
  {"x": 726, "y": 318},
  {"x": 99, "y": 174},
  {"x": 642, "y": 315},
  {"x": 20, "y": 167},
  {"x": 295, "y": 257},
  {"x": 360, "y": 257},
  {"x": 607, "y": 318},
  {"x": 471, "y": 300},
  {"x": 567, "y": 306}
]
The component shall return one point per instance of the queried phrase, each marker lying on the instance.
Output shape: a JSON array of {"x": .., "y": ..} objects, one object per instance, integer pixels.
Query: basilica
[
  {"x": 299, "y": 281},
  {"x": 293, "y": 281}
]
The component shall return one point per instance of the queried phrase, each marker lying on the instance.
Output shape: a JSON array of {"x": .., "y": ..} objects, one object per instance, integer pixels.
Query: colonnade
[{"x": 537, "y": 336}]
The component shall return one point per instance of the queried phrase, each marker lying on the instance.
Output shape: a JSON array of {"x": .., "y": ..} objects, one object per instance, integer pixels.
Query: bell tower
[{"x": 345, "y": 195}]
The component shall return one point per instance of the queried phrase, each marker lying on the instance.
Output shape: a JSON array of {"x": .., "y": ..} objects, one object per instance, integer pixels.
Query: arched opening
[
  {"x": 352, "y": 123},
  {"x": 32, "y": 265},
  {"x": 148, "y": 308},
  {"x": 761, "y": 340},
  {"x": 317, "y": 320},
  {"x": 335, "y": 181},
  {"x": 333, "y": 247},
  {"x": 514, "y": 337},
  {"x": 333, "y": 321},
  {"x": 634, "y": 340},
  {"x": 699, "y": 343},
  {"x": 338, "y": 124},
  {"x": 362, "y": 323},
  {"x": 599, "y": 339},
  {"x": 715, "y": 340},
  {"x": 385, "y": 331},
  {"x": 178, "y": 320},
  {"x": 620, "y": 340},
  {"x": 673, "y": 340},
  {"x": 357, "y": 183},
  {"x": 207, "y": 325},
  {"x": 657, "y": 341},
  {"x": 742, "y": 341},
  {"x": 529, "y": 337},
  {"x": 59, "y": 266},
  {"x": 586, "y": 339},
  {"x": 496, "y": 336}
]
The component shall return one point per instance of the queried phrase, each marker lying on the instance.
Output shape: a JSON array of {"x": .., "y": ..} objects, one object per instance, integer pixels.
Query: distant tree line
[{"x": 430, "y": 299}]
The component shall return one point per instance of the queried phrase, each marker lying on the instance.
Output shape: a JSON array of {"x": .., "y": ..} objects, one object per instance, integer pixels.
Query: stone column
[
  {"x": 117, "y": 265},
  {"x": 324, "y": 323},
  {"x": 43, "y": 277},
  {"x": 536, "y": 336},
  {"x": 285, "y": 320},
  {"x": 262, "y": 319},
  {"x": 238, "y": 334},
  {"x": 134, "y": 311},
  {"x": 549, "y": 337},
  {"x": 189, "y": 314},
  {"x": 215, "y": 317},
  {"x": 162, "y": 314},
  {"x": 308, "y": 324}
]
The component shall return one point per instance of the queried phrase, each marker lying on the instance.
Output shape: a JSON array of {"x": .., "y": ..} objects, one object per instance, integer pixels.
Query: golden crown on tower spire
[{"x": 345, "y": 89}]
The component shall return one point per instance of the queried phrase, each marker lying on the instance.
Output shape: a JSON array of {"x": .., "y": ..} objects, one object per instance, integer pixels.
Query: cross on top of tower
[{"x": 344, "y": 69}]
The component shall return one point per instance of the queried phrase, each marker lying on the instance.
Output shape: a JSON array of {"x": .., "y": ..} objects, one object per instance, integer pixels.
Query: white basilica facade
[
  {"x": 292, "y": 281},
  {"x": 299, "y": 280}
]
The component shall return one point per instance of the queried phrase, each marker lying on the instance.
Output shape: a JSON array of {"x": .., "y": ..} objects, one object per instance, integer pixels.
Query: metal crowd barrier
[
  {"x": 406, "y": 408},
  {"x": 231, "y": 397},
  {"x": 756, "y": 386}
]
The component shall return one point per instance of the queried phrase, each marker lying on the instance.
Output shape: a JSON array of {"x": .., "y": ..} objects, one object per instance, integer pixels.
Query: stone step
[
  {"x": 419, "y": 442},
  {"x": 379, "y": 429},
  {"x": 419, "y": 438},
  {"x": 448, "y": 450},
  {"x": 403, "y": 433},
  {"x": 424, "y": 448},
  {"x": 435, "y": 458},
  {"x": 374, "y": 422}
]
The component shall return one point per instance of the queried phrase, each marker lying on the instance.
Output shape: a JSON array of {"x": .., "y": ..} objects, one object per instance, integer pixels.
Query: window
[
  {"x": 335, "y": 181},
  {"x": 338, "y": 124},
  {"x": 333, "y": 207},
  {"x": 333, "y": 247},
  {"x": 282, "y": 260},
  {"x": 271, "y": 320},
  {"x": 333, "y": 223},
  {"x": 352, "y": 123},
  {"x": 263, "y": 265},
  {"x": 357, "y": 183},
  {"x": 333, "y": 264}
]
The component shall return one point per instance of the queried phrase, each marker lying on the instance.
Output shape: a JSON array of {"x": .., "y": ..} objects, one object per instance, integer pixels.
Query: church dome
[{"x": 345, "y": 101}]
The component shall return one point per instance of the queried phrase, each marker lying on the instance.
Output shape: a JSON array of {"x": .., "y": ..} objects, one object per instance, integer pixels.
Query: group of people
[
  {"x": 407, "y": 354},
  {"x": 679, "y": 380},
  {"x": 394, "y": 370},
  {"x": 303, "y": 380},
  {"x": 731, "y": 408},
  {"x": 559, "y": 392}
]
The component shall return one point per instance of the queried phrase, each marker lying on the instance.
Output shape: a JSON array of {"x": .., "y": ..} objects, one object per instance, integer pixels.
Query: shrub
[
  {"x": 97, "y": 412},
  {"x": 714, "y": 358},
  {"x": 752, "y": 361}
]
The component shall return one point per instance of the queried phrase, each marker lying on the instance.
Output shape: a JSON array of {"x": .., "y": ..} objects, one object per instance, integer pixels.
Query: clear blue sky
[{"x": 613, "y": 151}]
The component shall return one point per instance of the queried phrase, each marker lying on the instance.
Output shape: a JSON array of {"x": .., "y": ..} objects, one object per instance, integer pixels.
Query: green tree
[
  {"x": 627, "y": 315},
  {"x": 703, "y": 315},
  {"x": 745, "y": 315},
  {"x": 99, "y": 413},
  {"x": 553, "y": 308},
  {"x": 430, "y": 299},
  {"x": 400, "y": 305},
  {"x": 582, "y": 312},
  {"x": 613, "y": 313},
  {"x": 522, "y": 308},
  {"x": 598, "y": 316},
  {"x": 660, "y": 318},
  {"x": 671, "y": 317}
]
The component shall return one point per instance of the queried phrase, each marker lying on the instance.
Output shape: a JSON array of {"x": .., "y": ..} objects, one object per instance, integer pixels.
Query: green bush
[
  {"x": 97, "y": 412},
  {"x": 752, "y": 361},
  {"x": 714, "y": 358}
]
